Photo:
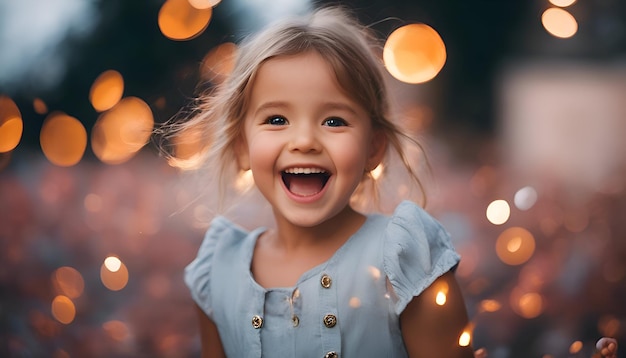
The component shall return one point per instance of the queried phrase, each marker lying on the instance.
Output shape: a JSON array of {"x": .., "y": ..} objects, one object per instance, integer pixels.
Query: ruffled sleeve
[
  {"x": 417, "y": 250},
  {"x": 199, "y": 272}
]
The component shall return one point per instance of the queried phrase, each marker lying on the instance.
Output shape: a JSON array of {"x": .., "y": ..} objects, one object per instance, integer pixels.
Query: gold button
[
  {"x": 326, "y": 281},
  {"x": 331, "y": 354},
  {"x": 257, "y": 321},
  {"x": 330, "y": 320},
  {"x": 295, "y": 320}
]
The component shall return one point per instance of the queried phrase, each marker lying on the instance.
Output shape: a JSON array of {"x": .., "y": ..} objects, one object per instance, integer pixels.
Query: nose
[{"x": 304, "y": 138}]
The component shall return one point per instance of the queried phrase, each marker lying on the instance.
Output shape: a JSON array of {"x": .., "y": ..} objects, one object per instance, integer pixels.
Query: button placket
[
  {"x": 257, "y": 321},
  {"x": 331, "y": 337},
  {"x": 330, "y": 320},
  {"x": 326, "y": 281},
  {"x": 293, "y": 300}
]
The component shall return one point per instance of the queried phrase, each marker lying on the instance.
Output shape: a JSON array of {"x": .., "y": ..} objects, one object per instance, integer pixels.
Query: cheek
[
  {"x": 263, "y": 153},
  {"x": 352, "y": 155}
]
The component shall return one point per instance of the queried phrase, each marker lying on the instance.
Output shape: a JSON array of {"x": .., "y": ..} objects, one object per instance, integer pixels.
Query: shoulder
[
  {"x": 223, "y": 238},
  {"x": 417, "y": 250}
]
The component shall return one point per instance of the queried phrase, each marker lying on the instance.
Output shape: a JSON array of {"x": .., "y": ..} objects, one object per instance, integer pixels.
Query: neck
[{"x": 332, "y": 232}]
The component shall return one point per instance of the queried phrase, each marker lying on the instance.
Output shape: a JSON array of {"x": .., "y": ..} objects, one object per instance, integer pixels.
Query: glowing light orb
[
  {"x": 559, "y": 23},
  {"x": 11, "y": 124},
  {"x": 203, "y": 4},
  {"x": 122, "y": 131},
  {"x": 354, "y": 302},
  {"x": 377, "y": 172},
  {"x": 575, "y": 347},
  {"x": 117, "y": 330},
  {"x": 188, "y": 147},
  {"x": 515, "y": 246},
  {"x": 498, "y": 212},
  {"x": 527, "y": 304},
  {"x": 68, "y": 281},
  {"x": 112, "y": 263},
  {"x": 562, "y": 3},
  {"x": 40, "y": 106},
  {"x": 113, "y": 274},
  {"x": 414, "y": 53},
  {"x": 374, "y": 272},
  {"x": 179, "y": 20},
  {"x": 107, "y": 90},
  {"x": 465, "y": 339},
  {"x": 490, "y": 305},
  {"x": 63, "y": 309},
  {"x": 63, "y": 139},
  {"x": 441, "y": 298},
  {"x": 525, "y": 198},
  {"x": 245, "y": 181},
  {"x": 93, "y": 203},
  {"x": 219, "y": 63}
]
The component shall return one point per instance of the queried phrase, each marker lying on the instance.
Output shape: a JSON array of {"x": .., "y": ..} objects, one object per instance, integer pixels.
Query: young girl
[{"x": 305, "y": 110}]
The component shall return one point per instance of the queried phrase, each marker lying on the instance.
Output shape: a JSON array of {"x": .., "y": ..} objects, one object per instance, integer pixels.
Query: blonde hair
[{"x": 350, "y": 49}]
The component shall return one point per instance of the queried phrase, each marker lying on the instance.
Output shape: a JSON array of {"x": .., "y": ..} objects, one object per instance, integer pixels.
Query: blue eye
[
  {"x": 335, "y": 122},
  {"x": 276, "y": 121}
]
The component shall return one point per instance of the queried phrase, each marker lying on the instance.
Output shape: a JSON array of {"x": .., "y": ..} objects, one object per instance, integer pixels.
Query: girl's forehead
[{"x": 302, "y": 72}]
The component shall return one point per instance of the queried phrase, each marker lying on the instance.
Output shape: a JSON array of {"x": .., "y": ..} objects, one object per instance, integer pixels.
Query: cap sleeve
[
  {"x": 417, "y": 250},
  {"x": 198, "y": 272}
]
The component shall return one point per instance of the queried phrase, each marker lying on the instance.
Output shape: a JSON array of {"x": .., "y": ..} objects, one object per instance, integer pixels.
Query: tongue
[{"x": 305, "y": 185}]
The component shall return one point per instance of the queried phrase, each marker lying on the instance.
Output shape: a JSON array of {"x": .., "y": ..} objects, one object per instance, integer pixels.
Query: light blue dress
[{"x": 348, "y": 306}]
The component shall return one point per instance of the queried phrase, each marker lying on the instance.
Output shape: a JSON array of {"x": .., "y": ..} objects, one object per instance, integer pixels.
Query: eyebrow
[{"x": 326, "y": 106}]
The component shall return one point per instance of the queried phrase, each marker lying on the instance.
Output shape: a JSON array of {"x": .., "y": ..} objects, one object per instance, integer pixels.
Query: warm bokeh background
[{"x": 521, "y": 106}]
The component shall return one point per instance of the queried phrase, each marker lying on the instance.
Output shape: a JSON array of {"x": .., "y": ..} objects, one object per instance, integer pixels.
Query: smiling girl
[{"x": 305, "y": 110}]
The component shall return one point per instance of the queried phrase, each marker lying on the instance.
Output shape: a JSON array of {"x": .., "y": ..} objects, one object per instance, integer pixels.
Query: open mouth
[{"x": 305, "y": 181}]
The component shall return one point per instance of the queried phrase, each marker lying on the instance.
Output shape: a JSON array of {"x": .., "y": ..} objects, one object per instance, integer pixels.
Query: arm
[
  {"x": 606, "y": 347},
  {"x": 430, "y": 330},
  {"x": 209, "y": 337}
]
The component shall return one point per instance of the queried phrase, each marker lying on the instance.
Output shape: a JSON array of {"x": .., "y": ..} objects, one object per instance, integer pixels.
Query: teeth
[{"x": 304, "y": 171}]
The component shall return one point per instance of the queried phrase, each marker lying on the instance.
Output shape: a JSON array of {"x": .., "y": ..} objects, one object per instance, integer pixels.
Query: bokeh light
[
  {"x": 245, "y": 181},
  {"x": 113, "y": 274},
  {"x": 525, "y": 198},
  {"x": 39, "y": 106},
  {"x": 490, "y": 305},
  {"x": 202, "y": 4},
  {"x": 465, "y": 339},
  {"x": 93, "y": 202},
  {"x": 441, "y": 298},
  {"x": 11, "y": 124},
  {"x": 515, "y": 246},
  {"x": 559, "y": 22},
  {"x": 117, "y": 330},
  {"x": 112, "y": 263},
  {"x": 441, "y": 292},
  {"x": 414, "y": 53},
  {"x": 68, "y": 281},
  {"x": 218, "y": 63},
  {"x": 107, "y": 90},
  {"x": 188, "y": 146},
  {"x": 378, "y": 171},
  {"x": 354, "y": 302},
  {"x": 498, "y": 212},
  {"x": 63, "y": 309},
  {"x": 575, "y": 347},
  {"x": 122, "y": 131},
  {"x": 526, "y": 304},
  {"x": 179, "y": 20},
  {"x": 562, "y": 3},
  {"x": 63, "y": 139}
]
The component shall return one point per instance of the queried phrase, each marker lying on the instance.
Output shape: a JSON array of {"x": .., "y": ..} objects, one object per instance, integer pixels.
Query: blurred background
[{"x": 521, "y": 107}]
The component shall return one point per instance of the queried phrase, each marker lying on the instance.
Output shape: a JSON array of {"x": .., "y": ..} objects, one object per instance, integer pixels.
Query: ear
[
  {"x": 242, "y": 154},
  {"x": 377, "y": 150}
]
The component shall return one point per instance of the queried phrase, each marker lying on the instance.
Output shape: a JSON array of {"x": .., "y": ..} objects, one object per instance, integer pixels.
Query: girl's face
[{"x": 307, "y": 143}]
